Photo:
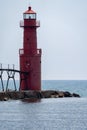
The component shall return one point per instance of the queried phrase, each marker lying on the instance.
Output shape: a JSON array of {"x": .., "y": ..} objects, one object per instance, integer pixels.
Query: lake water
[{"x": 48, "y": 114}]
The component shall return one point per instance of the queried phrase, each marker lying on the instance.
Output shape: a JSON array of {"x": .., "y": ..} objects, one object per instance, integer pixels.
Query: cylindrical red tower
[{"x": 30, "y": 56}]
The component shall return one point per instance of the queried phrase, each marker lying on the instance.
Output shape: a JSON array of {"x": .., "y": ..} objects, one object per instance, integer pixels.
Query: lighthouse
[{"x": 30, "y": 55}]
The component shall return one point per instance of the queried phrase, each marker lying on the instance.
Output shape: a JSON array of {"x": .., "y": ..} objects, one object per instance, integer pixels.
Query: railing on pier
[{"x": 10, "y": 73}]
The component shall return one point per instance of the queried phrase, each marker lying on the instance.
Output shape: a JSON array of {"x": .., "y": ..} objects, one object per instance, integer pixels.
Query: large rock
[
  {"x": 48, "y": 93},
  {"x": 32, "y": 94},
  {"x": 67, "y": 94},
  {"x": 61, "y": 94},
  {"x": 75, "y": 95},
  {"x": 2, "y": 96},
  {"x": 15, "y": 95}
]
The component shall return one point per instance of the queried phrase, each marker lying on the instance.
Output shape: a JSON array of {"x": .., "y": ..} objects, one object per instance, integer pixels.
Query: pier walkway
[{"x": 10, "y": 74}]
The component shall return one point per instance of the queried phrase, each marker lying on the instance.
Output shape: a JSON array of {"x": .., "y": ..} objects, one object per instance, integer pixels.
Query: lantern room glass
[{"x": 29, "y": 16}]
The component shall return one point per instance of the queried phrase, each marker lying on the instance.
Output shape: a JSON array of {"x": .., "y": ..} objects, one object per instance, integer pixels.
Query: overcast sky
[{"x": 62, "y": 35}]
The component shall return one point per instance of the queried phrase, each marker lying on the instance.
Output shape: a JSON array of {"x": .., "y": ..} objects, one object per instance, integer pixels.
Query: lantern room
[{"x": 29, "y": 14}]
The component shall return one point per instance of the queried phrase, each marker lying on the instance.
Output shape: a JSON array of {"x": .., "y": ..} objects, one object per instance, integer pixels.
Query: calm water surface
[{"x": 48, "y": 114}]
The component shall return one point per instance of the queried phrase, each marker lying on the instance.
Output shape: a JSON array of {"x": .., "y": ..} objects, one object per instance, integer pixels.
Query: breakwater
[{"x": 17, "y": 95}]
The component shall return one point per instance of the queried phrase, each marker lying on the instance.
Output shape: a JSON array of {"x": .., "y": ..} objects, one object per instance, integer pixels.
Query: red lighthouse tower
[{"x": 30, "y": 56}]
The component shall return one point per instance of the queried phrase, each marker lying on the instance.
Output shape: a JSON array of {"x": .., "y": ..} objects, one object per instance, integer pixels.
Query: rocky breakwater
[{"x": 17, "y": 95}]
